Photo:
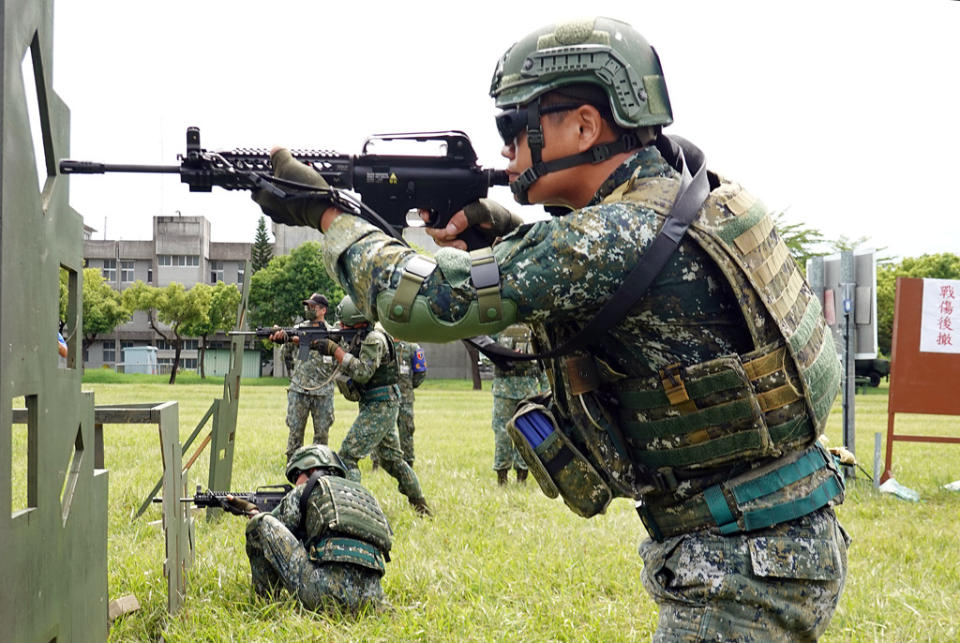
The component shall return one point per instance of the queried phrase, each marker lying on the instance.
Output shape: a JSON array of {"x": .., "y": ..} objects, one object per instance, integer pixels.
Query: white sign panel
[{"x": 940, "y": 316}]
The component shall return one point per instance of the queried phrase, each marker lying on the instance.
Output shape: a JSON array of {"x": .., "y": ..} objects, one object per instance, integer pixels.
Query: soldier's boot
[
  {"x": 522, "y": 476},
  {"x": 421, "y": 507},
  {"x": 502, "y": 477}
]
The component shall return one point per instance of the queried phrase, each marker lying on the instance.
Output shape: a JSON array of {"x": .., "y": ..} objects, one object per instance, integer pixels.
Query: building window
[
  {"x": 186, "y": 345},
  {"x": 240, "y": 276},
  {"x": 150, "y": 275},
  {"x": 216, "y": 271},
  {"x": 109, "y": 269},
  {"x": 178, "y": 260},
  {"x": 109, "y": 352},
  {"x": 126, "y": 271}
]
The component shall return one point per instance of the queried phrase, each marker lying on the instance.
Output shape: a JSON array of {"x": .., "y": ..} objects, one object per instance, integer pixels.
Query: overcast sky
[{"x": 844, "y": 114}]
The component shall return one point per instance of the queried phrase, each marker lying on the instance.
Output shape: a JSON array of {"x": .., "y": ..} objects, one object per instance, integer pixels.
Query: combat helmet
[
  {"x": 348, "y": 314},
  {"x": 314, "y": 455},
  {"x": 596, "y": 52}
]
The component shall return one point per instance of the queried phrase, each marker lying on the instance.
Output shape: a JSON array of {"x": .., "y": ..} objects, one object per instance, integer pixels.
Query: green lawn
[{"x": 499, "y": 564}]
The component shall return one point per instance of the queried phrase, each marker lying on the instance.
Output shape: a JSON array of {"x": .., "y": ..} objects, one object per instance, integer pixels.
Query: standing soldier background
[
  {"x": 510, "y": 386},
  {"x": 327, "y": 540},
  {"x": 413, "y": 370},
  {"x": 691, "y": 366},
  {"x": 370, "y": 363},
  {"x": 311, "y": 381}
]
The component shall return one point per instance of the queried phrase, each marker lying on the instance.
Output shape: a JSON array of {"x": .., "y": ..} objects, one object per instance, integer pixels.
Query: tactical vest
[
  {"x": 347, "y": 525},
  {"x": 734, "y": 409},
  {"x": 517, "y": 337},
  {"x": 388, "y": 372}
]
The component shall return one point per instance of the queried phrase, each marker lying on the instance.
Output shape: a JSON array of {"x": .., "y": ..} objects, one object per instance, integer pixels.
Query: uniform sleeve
[
  {"x": 361, "y": 369},
  {"x": 288, "y": 511},
  {"x": 557, "y": 269}
]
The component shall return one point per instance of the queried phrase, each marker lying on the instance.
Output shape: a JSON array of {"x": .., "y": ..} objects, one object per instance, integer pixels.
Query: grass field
[{"x": 502, "y": 564}]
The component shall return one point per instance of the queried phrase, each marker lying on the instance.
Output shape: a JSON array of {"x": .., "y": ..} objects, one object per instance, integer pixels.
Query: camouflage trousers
[
  {"x": 505, "y": 455},
  {"x": 777, "y": 584},
  {"x": 299, "y": 406},
  {"x": 405, "y": 430},
  {"x": 278, "y": 559},
  {"x": 375, "y": 431}
]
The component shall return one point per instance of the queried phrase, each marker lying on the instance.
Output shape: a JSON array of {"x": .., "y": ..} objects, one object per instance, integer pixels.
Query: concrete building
[{"x": 181, "y": 251}]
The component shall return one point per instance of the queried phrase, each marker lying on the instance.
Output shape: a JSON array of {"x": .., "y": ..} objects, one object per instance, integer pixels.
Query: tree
[
  {"x": 262, "y": 250},
  {"x": 220, "y": 314},
  {"x": 103, "y": 307},
  {"x": 938, "y": 266},
  {"x": 173, "y": 306},
  {"x": 277, "y": 291}
]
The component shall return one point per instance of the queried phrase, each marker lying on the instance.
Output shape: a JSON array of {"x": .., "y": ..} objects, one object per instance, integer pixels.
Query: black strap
[
  {"x": 304, "y": 497},
  {"x": 684, "y": 156}
]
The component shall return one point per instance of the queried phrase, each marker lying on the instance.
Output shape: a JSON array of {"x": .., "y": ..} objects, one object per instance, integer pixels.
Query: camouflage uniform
[
  {"x": 554, "y": 276},
  {"x": 313, "y": 567},
  {"x": 372, "y": 366},
  {"x": 408, "y": 379},
  {"x": 523, "y": 380},
  {"x": 310, "y": 393}
]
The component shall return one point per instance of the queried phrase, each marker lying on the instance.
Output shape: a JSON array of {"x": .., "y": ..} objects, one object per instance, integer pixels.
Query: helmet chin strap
[{"x": 538, "y": 168}]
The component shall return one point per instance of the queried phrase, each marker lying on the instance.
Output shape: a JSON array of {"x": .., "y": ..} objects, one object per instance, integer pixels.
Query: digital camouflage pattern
[
  {"x": 778, "y": 584},
  {"x": 278, "y": 559},
  {"x": 375, "y": 429},
  {"x": 310, "y": 394},
  {"x": 554, "y": 276},
  {"x": 408, "y": 380}
]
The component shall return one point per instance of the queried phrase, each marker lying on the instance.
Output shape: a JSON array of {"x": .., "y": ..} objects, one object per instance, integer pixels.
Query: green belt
[
  {"x": 380, "y": 393},
  {"x": 719, "y": 505}
]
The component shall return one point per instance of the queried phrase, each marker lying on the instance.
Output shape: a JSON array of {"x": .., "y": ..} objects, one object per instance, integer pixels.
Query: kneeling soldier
[{"x": 326, "y": 542}]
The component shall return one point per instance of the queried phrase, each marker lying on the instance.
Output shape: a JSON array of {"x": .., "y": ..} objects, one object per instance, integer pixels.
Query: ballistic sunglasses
[{"x": 511, "y": 122}]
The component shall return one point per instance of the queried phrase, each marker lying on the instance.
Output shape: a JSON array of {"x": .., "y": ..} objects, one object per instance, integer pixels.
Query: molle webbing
[
  {"x": 736, "y": 228},
  {"x": 717, "y": 415},
  {"x": 348, "y": 509}
]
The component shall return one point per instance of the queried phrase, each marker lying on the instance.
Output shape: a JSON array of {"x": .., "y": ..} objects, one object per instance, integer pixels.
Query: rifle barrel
[{"x": 91, "y": 167}]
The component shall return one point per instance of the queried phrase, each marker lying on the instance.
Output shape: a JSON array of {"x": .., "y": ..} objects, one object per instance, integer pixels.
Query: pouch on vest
[
  {"x": 557, "y": 465},
  {"x": 349, "y": 390}
]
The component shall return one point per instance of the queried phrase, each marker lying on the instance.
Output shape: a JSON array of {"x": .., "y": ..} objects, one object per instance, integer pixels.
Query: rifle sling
[
  {"x": 693, "y": 192},
  {"x": 304, "y": 497}
]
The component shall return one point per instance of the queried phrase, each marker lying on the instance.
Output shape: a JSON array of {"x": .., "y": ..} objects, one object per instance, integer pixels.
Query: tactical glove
[
  {"x": 239, "y": 506},
  {"x": 306, "y": 209},
  {"x": 491, "y": 219}
]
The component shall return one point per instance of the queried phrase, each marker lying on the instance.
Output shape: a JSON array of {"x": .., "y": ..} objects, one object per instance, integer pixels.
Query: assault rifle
[
  {"x": 266, "y": 498},
  {"x": 389, "y": 185},
  {"x": 306, "y": 335}
]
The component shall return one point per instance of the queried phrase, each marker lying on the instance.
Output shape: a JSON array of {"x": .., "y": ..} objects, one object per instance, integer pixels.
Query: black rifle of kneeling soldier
[
  {"x": 265, "y": 498},
  {"x": 308, "y": 337}
]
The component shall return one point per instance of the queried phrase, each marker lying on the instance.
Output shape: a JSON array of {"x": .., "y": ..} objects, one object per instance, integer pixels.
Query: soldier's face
[{"x": 561, "y": 138}]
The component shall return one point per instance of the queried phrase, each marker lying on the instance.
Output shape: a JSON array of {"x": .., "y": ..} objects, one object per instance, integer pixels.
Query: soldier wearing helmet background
[
  {"x": 327, "y": 540},
  {"x": 311, "y": 381},
  {"x": 690, "y": 365},
  {"x": 371, "y": 364}
]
